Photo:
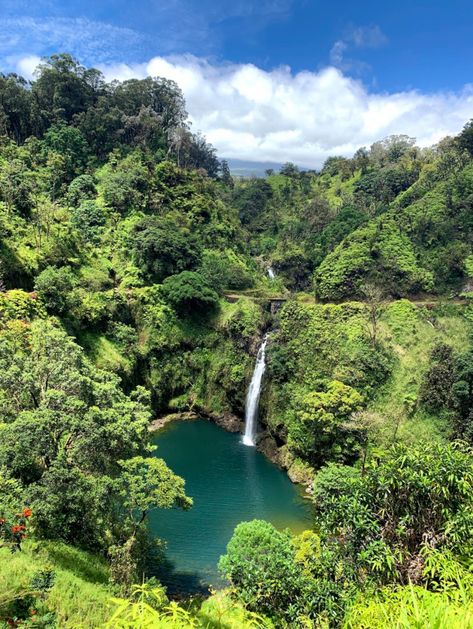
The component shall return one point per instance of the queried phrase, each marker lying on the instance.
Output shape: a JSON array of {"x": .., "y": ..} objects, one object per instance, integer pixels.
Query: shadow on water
[{"x": 181, "y": 583}]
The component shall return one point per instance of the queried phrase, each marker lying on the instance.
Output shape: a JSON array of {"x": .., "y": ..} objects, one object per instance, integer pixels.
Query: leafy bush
[
  {"x": 260, "y": 564},
  {"x": 17, "y": 304},
  {"x": 296, "y": 581},
  {"x": 80, "y": 189},
  {"x": 409, "y": 501},
  {"x": 161, "y": 248},
  {"x": 436, "y": 390},
  {"x": 225, "y": 270},
  {"x": 88, "y": 218},
  {"x": 413, "y": 606},
  {"x": 318, "y": 431},
  {"x": 189, "y": 294},
  {"x": 54, "y": 286},
  {"x": 402, "y": 317},
  {"x": 123, "y": 184}
]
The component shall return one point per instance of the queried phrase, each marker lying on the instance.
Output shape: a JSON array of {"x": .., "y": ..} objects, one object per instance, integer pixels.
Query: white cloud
[
  {"x": 337, "y": 51},
  {"x": 26, "y": 66},
  {"x": 367, "y": 36},
  {"x": 253, "y": 114},
  {"x": 257, "y": 115},
  {"x": 356, "y": 37},
  {"x": 88, "y": 39}
]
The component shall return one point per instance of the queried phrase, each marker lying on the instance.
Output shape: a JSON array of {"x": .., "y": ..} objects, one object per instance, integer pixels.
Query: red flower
[{"x": 27, "y": 513}]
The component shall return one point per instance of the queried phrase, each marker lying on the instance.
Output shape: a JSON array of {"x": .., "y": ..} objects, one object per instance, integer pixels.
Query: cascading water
[
  {"x": 253, "y": 395},
  {"x": 271, "y": 273}
]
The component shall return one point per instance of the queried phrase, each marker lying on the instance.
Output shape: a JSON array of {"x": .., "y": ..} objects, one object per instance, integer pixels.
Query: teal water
[{"x": 230, "y": 483}]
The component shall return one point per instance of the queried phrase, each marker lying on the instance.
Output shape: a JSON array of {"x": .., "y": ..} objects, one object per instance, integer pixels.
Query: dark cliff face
[
  {"x": 227, "y": 420},
  {"x": 276, "y": 305}
]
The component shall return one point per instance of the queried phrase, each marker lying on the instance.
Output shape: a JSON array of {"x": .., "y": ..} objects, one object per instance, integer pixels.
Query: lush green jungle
[{"x": 134, "y": 285}]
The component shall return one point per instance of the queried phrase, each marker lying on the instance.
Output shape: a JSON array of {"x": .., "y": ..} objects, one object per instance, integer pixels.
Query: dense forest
[{"x": 134, "y": 284}]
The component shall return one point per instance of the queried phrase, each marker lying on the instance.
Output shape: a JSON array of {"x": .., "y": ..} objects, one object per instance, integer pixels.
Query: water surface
[{"x": 229, "y": 483}]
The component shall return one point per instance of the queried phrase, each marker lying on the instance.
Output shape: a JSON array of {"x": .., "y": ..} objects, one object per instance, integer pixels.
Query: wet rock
[
  {"x": 160, "y": 422},
  {"x": 299, "y": 472},
  {"x": 268, "y": 446},
  {"x": 227, "y": 420}
]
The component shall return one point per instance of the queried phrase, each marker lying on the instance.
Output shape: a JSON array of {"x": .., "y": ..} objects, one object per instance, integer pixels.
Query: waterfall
[
  {"x": 252, "y": 397},
  {"x": 271, "y": 273}
]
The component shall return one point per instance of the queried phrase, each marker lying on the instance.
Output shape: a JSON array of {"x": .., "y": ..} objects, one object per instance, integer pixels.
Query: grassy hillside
[
  {"x": 339, "y": 371},
  {"x": 79, "y": 596},
  {"x": 55, "y": 585}
]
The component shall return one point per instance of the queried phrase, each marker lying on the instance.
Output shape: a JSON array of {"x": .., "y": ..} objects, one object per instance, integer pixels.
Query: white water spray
[
  {"x": 271, "y": 273},
  {"x": 253, "y": 395}
]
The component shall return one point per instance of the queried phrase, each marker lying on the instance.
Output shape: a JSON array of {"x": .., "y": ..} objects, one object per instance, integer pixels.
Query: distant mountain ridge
[{"x": 245, "y": 168}]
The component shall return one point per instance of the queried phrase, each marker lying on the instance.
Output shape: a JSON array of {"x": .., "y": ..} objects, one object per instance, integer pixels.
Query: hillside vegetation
[{"x": 134, "y": 283}]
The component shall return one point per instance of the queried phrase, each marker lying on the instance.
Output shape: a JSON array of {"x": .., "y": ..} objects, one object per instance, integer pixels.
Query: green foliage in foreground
[
  {"x": 413, "y": 607},
  {"x": 73, "y": 446},
  {"x": 404, "y": 519},
  {"x": 391, "y": 513},
  {"x": 54, "y": 585},
  {"x": 149, "y": 606},
  {"x": 79, "y": 596}
]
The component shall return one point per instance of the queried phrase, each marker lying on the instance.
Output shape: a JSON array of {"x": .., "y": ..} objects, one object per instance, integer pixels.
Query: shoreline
[{"x": 298, "y": 472}]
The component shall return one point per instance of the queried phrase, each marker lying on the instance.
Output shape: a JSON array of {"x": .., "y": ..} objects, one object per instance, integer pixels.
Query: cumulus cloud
[
  {"x": 26, "y": 66},
  {"x": 252, "y": 114},
  {"x": 276, "y": 116}
]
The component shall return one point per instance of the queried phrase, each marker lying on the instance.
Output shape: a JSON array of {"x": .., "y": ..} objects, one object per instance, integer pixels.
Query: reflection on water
[{"x": 229, "y": 483}]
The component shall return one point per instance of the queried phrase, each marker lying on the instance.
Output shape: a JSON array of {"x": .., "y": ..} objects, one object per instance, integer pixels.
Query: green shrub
[
  {"x": 260, "y": 563},
  {"x": 80, "y": 189},
  {"x": 189, "y": 294},
  {"x": 17, "y": 304},
  {"x": 224, "y": 270},
  {"x": 162, "y": 248},
  {"x": 406, "y": 502},
  {"x": 402, "y": 317},
  {"x": 318, "y": 430},
  {"x": 88, "y": 218},
  {"x": 54, "y": 287},
  {"x": 411, "y": 606}
]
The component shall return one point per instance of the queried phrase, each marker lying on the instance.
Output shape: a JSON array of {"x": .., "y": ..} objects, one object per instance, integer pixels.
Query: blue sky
[
  {"x": 427, "y": 44},
  {"x": 385, "y": 49}
]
